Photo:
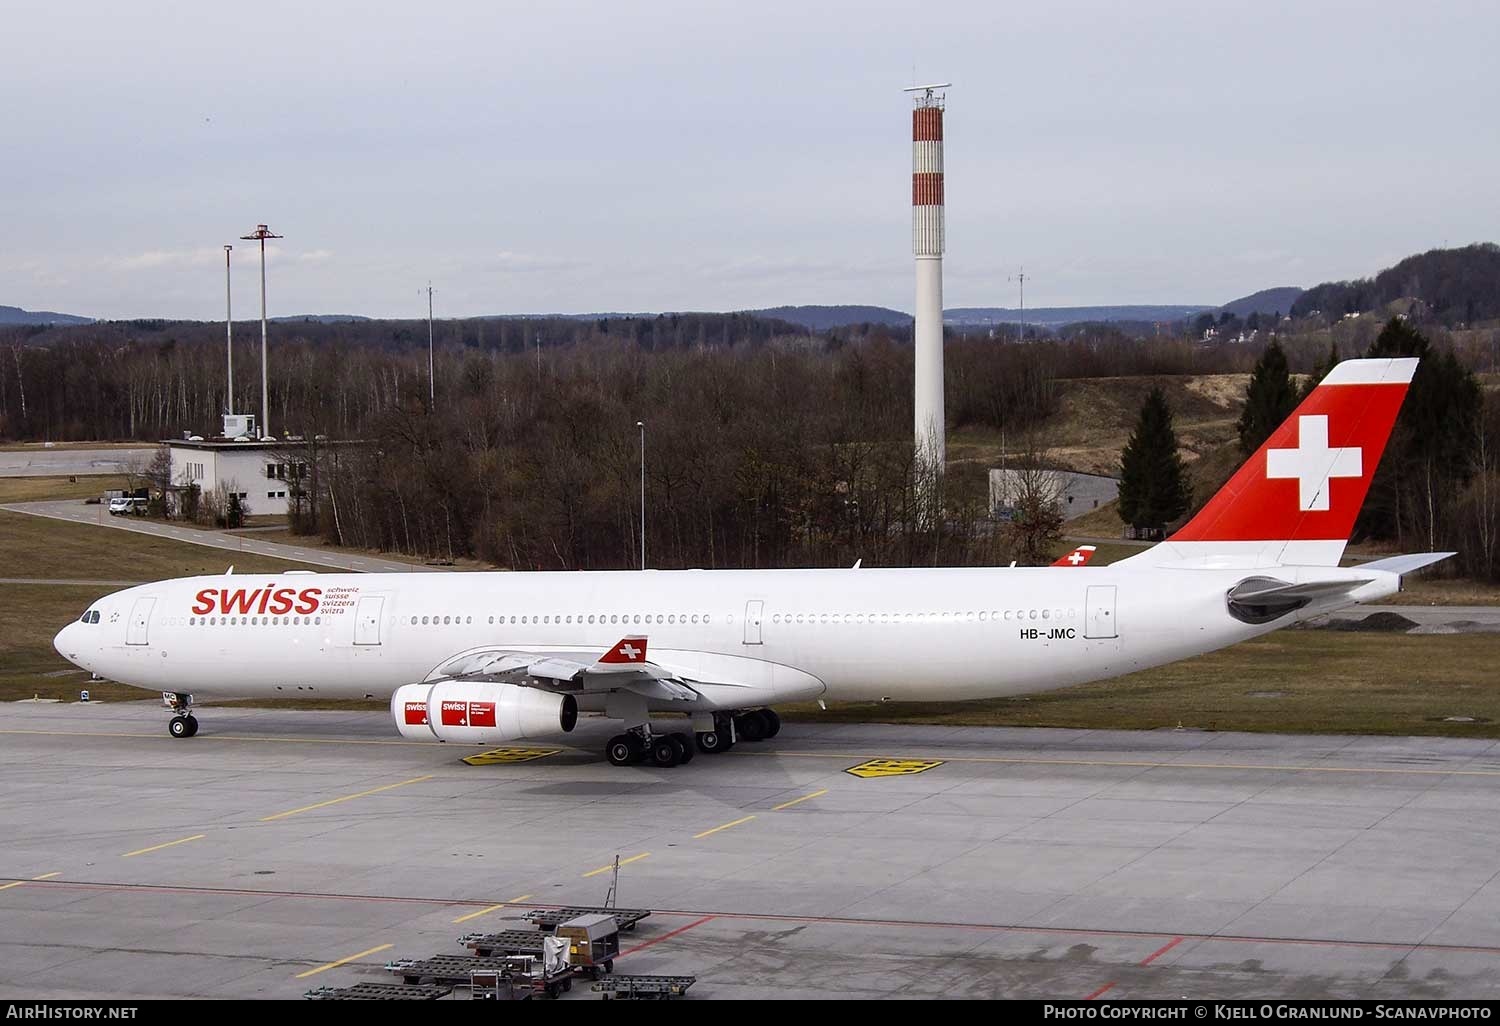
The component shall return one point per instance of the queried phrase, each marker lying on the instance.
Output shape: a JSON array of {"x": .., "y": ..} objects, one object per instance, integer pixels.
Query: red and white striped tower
[{"x": 927, "y": 245}]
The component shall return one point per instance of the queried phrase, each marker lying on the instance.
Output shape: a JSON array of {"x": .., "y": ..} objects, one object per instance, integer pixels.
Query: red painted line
[
  {"x": 1100, "y": 991},
  {"x": 665, "y": 936},
  {"x": 1162, "y": 950},
  {"x": 773, "y": 917}
]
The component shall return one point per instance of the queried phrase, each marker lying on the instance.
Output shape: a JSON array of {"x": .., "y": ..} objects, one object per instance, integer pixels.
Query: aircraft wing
[{"x": 622, "y": 667}]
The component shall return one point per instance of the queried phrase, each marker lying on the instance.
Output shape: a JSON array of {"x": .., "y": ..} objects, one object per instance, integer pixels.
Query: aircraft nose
[{"x": 66, "y": 642}]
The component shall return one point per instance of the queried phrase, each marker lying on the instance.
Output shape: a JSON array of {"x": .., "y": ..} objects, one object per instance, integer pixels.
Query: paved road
[
  {"x": 71, "y": 582},
  {"x": 39, "y": 462},
  {"x": 313, "y": 846},
  {"x": 75, "y": 510},
  {"x": 1428, "y": 616}
]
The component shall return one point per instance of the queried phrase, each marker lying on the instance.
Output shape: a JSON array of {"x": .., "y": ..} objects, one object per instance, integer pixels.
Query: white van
[{"x": 124, "y": 505}]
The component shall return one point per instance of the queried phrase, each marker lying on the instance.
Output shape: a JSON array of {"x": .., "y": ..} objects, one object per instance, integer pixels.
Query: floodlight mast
[{"x": 263, "y": 233}]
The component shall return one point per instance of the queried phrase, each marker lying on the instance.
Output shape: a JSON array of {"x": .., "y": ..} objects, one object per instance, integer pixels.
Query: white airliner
[{"x": 497, "y": 657}]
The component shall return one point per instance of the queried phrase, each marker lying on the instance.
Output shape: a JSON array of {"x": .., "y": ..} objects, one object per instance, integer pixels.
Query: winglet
[
  {"x": 628, "y": 651},
  {"x": 1078, "y": 557}
]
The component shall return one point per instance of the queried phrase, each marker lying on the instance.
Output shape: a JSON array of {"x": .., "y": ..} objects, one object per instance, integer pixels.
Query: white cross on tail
[
  {"x": 629, "y": 651},
  {"x": 1313, "y": 464}
]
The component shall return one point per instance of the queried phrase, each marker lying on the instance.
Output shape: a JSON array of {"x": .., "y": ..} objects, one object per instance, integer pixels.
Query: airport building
[
  {"x": 262, "y": 473},
  {"x": 1076, "y": 494}
]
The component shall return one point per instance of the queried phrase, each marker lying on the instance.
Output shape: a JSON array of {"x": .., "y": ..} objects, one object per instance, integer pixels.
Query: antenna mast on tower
[{"x": 1020, "y": 278}]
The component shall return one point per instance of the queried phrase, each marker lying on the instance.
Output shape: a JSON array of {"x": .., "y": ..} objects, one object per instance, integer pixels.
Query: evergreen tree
[
  {"x": 1430, "y": 453},
  {"x": 1269, "y": 399},
  {"x": 1153, "y": 485}
]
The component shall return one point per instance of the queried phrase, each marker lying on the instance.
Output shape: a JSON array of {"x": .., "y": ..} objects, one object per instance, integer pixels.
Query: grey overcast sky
[{"x": 578, "y": 156}]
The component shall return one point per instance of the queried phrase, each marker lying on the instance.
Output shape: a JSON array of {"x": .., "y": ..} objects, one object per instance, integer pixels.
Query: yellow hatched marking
[
  {"x": 500, "y": 756},
  {"x": 892, "y": 767}
]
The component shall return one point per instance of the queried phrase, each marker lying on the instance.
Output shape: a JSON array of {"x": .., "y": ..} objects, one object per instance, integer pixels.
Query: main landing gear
[
  {"x": 639, "y": 744},
  {"x": 184, "y": 724}
]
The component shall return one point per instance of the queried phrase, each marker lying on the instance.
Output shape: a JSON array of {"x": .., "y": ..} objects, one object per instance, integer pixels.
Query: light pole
[
  {"x": 431, "y": 378},
  {"x": 263, "y": 233},
  {"x": 642, "y": 425},
  {"x": 228, "y": 335}
]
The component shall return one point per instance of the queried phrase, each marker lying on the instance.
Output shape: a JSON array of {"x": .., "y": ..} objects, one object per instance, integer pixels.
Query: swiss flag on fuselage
[
  {"x": 627, "y": 650},
  {"x": 1078, "y": 557},
  {"x": 1309, "y": 479}
]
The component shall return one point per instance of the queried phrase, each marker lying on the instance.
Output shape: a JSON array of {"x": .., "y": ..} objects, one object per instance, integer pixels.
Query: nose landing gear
[{"x": 184, "y": 724}]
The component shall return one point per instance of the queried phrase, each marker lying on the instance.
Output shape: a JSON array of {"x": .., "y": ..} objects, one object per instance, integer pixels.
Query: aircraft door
[
  {"x": 1099, "y": 612},
  {"x": 367, "y": 620},
  {"x": 140, "y": 620},
  {"x": 755, "y": 610}
]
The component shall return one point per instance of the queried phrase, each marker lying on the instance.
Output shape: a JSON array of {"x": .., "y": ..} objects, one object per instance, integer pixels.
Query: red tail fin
[{"x": 1296, "y": 499}]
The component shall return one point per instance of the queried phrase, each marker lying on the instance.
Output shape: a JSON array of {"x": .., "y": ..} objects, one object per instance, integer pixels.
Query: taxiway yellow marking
[
  {"x": 508, "y": 755},
  {"x": 1148, "y": 764},
  {"x": 892, "y": 767},
  {"x": 798, "y": 801},
  {"x": 980, "y": 759},
  {"x": 342, "y": 961},
  {"x": 726, "y": 826},
  {"x": 159, "y": 847},
  {"x": 623, "y": 862},
  {"x": 492, "y": 908},
  {"x": 17, "y": 883},
  {"x": 345, "y": 798}
]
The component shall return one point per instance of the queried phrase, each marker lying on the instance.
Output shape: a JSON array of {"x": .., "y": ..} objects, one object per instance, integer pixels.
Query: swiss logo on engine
[
  {"x": 455, "y": 714},
  {"x": 416, "y": 714}
]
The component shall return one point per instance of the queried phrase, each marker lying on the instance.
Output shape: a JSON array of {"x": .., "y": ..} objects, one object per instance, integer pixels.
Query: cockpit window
[{"x": 90, "y": 616}]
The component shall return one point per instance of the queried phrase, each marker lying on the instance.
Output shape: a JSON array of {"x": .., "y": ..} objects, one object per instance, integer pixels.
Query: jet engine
[{"x": 480, "y": 713}]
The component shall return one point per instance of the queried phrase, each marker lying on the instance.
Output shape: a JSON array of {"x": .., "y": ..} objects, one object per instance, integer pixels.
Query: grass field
[
  {"x": 31, "y": 614},
  {"x": 1297, "y": 681},
  {"x": 35, "y": 489}
]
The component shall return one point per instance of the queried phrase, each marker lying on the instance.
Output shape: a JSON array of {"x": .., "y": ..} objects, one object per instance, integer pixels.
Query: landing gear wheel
[
  {"x": 664, "y": 752},
  {"x": 751, "y": 726},
  {"x": 179, "y": 727},
  {"x": 684, "y": 748},
  {"x": 620, "y": 751},
  {"x": 192, "y": 725},
  {"x": 773, "y": 722},
  {"x": 711, "y": 742}
]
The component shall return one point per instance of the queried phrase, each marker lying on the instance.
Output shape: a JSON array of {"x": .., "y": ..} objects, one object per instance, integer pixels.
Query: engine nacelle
[{"x": 480, "y": 713}]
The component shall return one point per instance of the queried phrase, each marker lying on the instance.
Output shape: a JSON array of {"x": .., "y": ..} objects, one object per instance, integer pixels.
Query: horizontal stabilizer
[
  {"x": 1262, "y": 589},
  {"x": 1406, "y": 564}
]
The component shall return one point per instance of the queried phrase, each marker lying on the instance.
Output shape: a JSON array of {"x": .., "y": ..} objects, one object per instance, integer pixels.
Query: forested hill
[
  {"x": 1458, "y": 286},
  {"x": 1265, "y": 302},
  {"x": 821, "y": 318},
  {"x": 15, "y": 315}
]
